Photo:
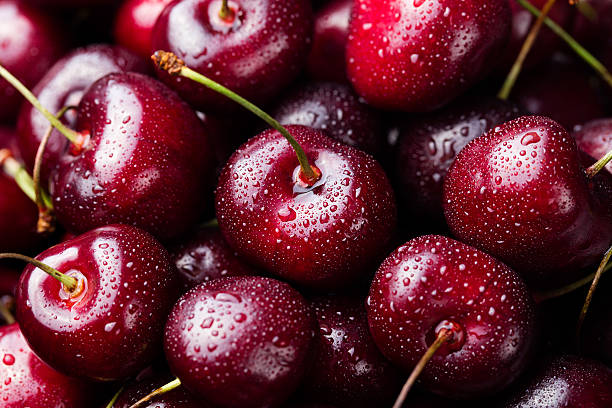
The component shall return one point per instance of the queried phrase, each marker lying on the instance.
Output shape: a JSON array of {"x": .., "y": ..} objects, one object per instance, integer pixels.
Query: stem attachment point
[
  {"x": 161, "y": 390},
  {"x": 69, "y": 283}
]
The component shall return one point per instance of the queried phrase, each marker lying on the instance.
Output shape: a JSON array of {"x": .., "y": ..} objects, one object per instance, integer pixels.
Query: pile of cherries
[{"x": 401, "y": 235}]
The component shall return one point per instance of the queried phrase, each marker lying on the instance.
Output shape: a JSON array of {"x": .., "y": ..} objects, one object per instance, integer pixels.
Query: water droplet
[
  {"x": 529, "y": 138},
  {"x": 8, "y": 359}
]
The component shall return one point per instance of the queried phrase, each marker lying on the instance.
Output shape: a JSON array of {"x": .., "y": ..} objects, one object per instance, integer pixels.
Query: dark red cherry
[
  {"x": 595, "y": 138},
  {"x": 592, "y": 29},
  {"x": 418, "y": 55},
  {"x": 428, "y": 145},
  {"x": 348, "y": 370},
  {"x": 134, "y": 24},
  {"x": 433, "y": 283},
  {"x": 30, "y": 42},
  {"x": 335, "y": 109},
  {"x": 327, "y": 59},
  {"x": 567, "y": 382},
  {"x": 148, "y": 162},
  {"x": 205, "y": 256},
  {"x": 111, "y": 325},
  {"x": 64, "y": 85},
  {"x": 29, "y": 382},
  {"x": 255, "y": 51},
  {"x": 240, "y": 341},
  {"x": 328, "y": 235},
  {"x": 519, "y": 193},
  {"x": 18, "y": 214},
  {"x": 546, "y": 90}
]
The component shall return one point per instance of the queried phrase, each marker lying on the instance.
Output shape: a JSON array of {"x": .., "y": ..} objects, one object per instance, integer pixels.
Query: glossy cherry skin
[
  {"x": 428, "y": 145},
  {"x": 64, "y": 85},
  {"x": 329, "y": 235},
  {"x": 256, "y": 54},
  {"x": 327, "y": 58},
  {"x": 418, "y": 55},
  {"x": 519, "y": 192},
  {"x": 30, "y": 42},
  {"x": 29, "y": 382},
  {"x": 595, "y": 138},
  {"x": 114, "y": 328},
  {"x": 567, "y": 382},
  {"x": 348, "y": 370},
  {"x": 431, "y": 281},
  {"x": 246, "y": 337},
  {"x": 335, "y": 109},
  {"x": 134, "y": 24},
  {"x": 149, "y": 162},
  {"x": 205, "y": 256},
  {"x": 18, "y": 214}
]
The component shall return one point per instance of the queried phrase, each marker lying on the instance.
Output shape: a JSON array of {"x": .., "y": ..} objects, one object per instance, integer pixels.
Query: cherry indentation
[
  {"x": 454, "y": 342},
  {"x": 224, "y": 24}
]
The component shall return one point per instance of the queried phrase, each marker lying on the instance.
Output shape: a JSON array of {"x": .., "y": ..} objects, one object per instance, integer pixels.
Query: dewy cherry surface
[
  {"x": 417, "y": 55},
  {"x": 148, "y": 162},
  {"x": 328, "y": 235},
  {"x": 256, "y": 51},
  {"x": 519, "y": 193},
  {"x": 433, "y": 282},
  {"x": 113, "y": 327},
  {"x": 595, "y": 138},
  {"x": 29, "y": 382},
  {"x": 246, "y": 337}
]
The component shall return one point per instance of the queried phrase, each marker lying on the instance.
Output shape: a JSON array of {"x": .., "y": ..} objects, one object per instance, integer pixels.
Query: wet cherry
[{"x": 595, "y": 138}]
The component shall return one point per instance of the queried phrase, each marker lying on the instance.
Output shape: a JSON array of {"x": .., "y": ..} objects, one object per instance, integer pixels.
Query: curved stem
[
  {"x": 442, "y": 337},
  {"x": 574, "y": 45},
  {"x": 161, "y": 390},
  {"x": 598, "y": 165},
  {"x": 520, "y": 59},
  {"x": 10, "y": 78},
  {"x": 114, "y": 399},
  {"x": 226, "y": 13},
  {"x": 17, "y": 172},
  {"x": 589, "y": 298},
  {"x": 68, "y": 281},
  {"x": 6, "y": 314},
  {"x": 169, "y": 62},
  {"x": 555, "y": 293}
]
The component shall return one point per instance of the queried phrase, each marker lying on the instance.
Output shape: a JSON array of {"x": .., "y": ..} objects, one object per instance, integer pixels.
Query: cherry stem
[
  {"x": 226, "y": 13},
  {"x": 169, "y": 62},
  {"x": 586, "y": 10},
  {"x": 589, "y": 297},
  {"x": 555, "y": 293},
  {"x": 114, "y": 399},
  {"x": 69, "y": 282},
  {"x": 574, "y": 45},
  {"x": 443, "y": 336},
  {"x": 513, "y": 75},
  {"x": 598, "y": 165},
  {"x": 70, "y": 134},
  {"x": 6, "y": 314},
  {"x": 161, "y": 390},
  {"x": 18, "y": 172}
]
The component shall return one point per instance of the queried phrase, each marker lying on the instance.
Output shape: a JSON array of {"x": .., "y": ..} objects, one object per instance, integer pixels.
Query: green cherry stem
[
  {"x": 17, "y": 172},
  {"x": 555, "y": 293},
  {"x": 598, "y": 165},
  {"x": 169, "y": 62},
  {"x": 161, "y": 390},
  {"x": 578, "y": 49},
  {"x": 226, "y": 13},
  {"x": 589, "y": 297},
  {"x": 70, "y": 283},
  {"x": 513, "y": 75},
  {"x": 114, "y": 399},
  {"x": 70, "y": 134}
]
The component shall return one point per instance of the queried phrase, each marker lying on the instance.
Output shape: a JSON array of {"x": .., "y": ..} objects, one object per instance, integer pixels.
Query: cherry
[
  {"x": 596, "y": 339},
  {"x": 29, "y": 382},
  {"x": 29, "y": 43},
  {"x": 108, "y": 325},
  {"x": 134, "y": 24},
  {"x": 325, "y": 235},
  {"x": 434, "y": 286},
  {"x": 418, "y": 55},
  {"x": 256, "y": 50},
  {"x": 335, "y": 109},
  {"x": 246, "y": 337},
  {"x": 567, "y": 381},
  {"x": 64, "y": 85},
  {"x": 205, "y": 256},
  {"x": 519, "y": 193},
  {"x": 428, "y": 145},
  {"x": 326, "y": 60},
  {"x": 148, "y": 161},
  {"x": 595, "y": 138},
  {"x": 348, "y": 370}
]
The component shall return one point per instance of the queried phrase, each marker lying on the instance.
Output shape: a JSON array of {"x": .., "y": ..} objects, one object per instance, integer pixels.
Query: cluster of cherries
[{"x": 195, "y": 259}]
